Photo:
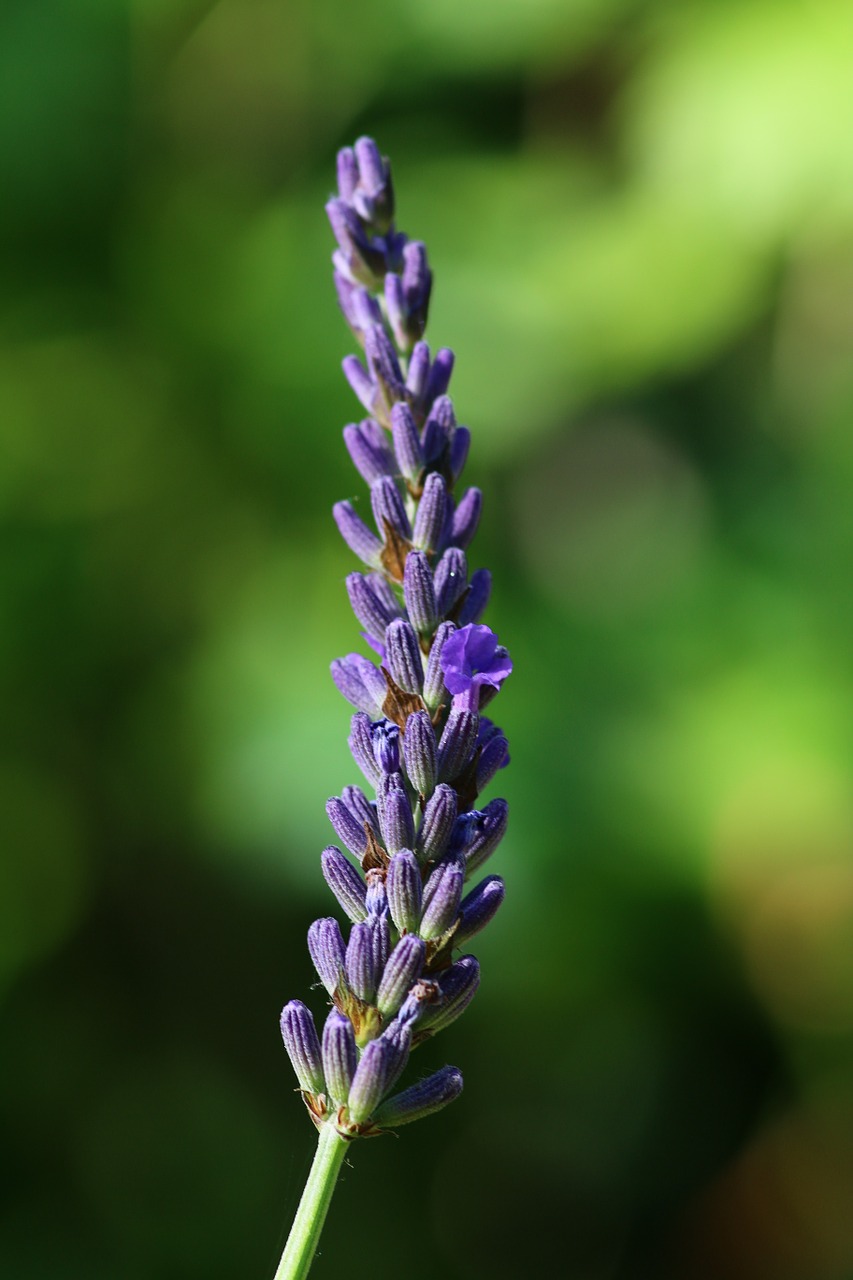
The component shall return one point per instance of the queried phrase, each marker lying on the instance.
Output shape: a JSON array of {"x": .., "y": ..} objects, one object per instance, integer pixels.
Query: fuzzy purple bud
[
  {"x": 360, "y": 309},
  {"x": 348, "y": 824},
  {"x": 340, "y": 1056},
  {"x": 419, "y": 753},
  {"x": 419, "y": 593},
  {"x": 457, "y": 744},
  {"x": 326, "y": 947},
  {"x": 438, "y": 823},
  {"x": 442, "y": 895},
  {"x": 494, "y": 753},
  {"x": 478, "y": 908},
  {"x": 397, "y": 1038},
  {"x": 479, "y": 833},
  {"x": 421, "y": 1099},
  {"x": 303, "y": 1048},
  {"x": 356, "y": 534},
  {"x": 403, "y": 656},
  {"x": 375, "y": 898},
  {"x": 407, "y": 296},
  {"x": 403, "y": 968},
  {"x": 426, "y": 380},
  {"x": 466, "y": 517},
  {"x": 438, "y": 430},
  {"x": 395, "y": 305},
  {"x": 360, "y": 742},
  {"x": 361, "y": 382},
  {"x": 432, "y": 511},
  {"x": 407, "y": 445},
  {"x": 385, "y": 375},
  {"x": 361, "y": 683},
  {"x": 347, "y": 167},
  {"x": 435, "y": 692},
  {"x": 380, "y": 941},
  {"x": 368, "y": 1083},
  {"x": 458, "y": 455},
  {"x": 405, "y": 891},
  {"x": 395, "y": 813},
  {"x": 384, "y": 592},
  {"x": 474, "y": 604},
  {"x": 439, "y": 374},
  {"x": 367, "y": 605},
  {"x": 373, "y": 197},
  {"x": 451, "y": 579},
  {"x": 360, "y": 807},
  {"x": 361, "y": 975},
  {"x": 418, "y": 374},
  {"x": 457, "y": 988},
  {"x": 388, "y": 507},
  {"x": 368, "y": 447},
  {"x": 386, "y": 746},
  {"x": 345, "y": 883},
  {"x": 357, "y": 257}
]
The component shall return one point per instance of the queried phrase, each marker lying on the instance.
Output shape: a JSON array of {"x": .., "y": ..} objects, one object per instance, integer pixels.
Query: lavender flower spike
[{"x": 418, "y": 734}]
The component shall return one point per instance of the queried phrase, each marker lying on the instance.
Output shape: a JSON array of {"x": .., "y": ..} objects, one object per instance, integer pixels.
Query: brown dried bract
[
  {"x": 439, "y": 952},
  {"x": 394, "y": 552},
  {"x": 365, "y": 1018},
  {"x": 316, "y": 1104},
  {"x": 398, "y": 704},
  {"x": 374, "y": 858},
  {"x": 349, "y": 1129}
]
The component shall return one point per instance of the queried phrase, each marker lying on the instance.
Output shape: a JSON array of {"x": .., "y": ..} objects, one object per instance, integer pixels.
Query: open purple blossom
[
  {"x": 473, "y": 660},
  {"x": 410, "y": 845}
]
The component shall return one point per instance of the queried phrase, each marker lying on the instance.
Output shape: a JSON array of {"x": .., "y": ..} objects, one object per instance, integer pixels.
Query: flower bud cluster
[{"x": 418, "y": 734}]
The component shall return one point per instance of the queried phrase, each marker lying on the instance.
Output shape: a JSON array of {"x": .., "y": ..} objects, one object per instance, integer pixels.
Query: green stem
[{"x": 313, "y": 1207}]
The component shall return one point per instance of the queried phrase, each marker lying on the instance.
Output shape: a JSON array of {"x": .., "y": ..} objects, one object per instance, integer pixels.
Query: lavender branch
[{"x": 418, "y": 734}]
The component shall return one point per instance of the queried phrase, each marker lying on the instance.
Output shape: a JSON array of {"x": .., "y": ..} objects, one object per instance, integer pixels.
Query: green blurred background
[{"x": 640, "y": 218}]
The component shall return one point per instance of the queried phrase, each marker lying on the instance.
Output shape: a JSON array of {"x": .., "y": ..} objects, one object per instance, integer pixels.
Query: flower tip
[{"x": 422, "y": 1099}]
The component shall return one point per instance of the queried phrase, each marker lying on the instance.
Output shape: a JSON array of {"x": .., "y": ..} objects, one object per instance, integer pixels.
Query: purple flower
[
  {"x": 418, "y": 737},
  {"x": 472, "y": 660}
]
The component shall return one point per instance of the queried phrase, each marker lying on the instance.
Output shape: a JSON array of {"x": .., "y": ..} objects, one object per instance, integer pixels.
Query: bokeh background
[{"x": 640, "y": 218}]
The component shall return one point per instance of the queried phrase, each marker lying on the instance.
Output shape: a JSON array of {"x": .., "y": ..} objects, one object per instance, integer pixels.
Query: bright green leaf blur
[{"x": 640, "y": 221}]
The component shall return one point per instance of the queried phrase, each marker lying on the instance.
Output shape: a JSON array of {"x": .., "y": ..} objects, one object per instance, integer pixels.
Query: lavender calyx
[{"x": 417, "y": 735}]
